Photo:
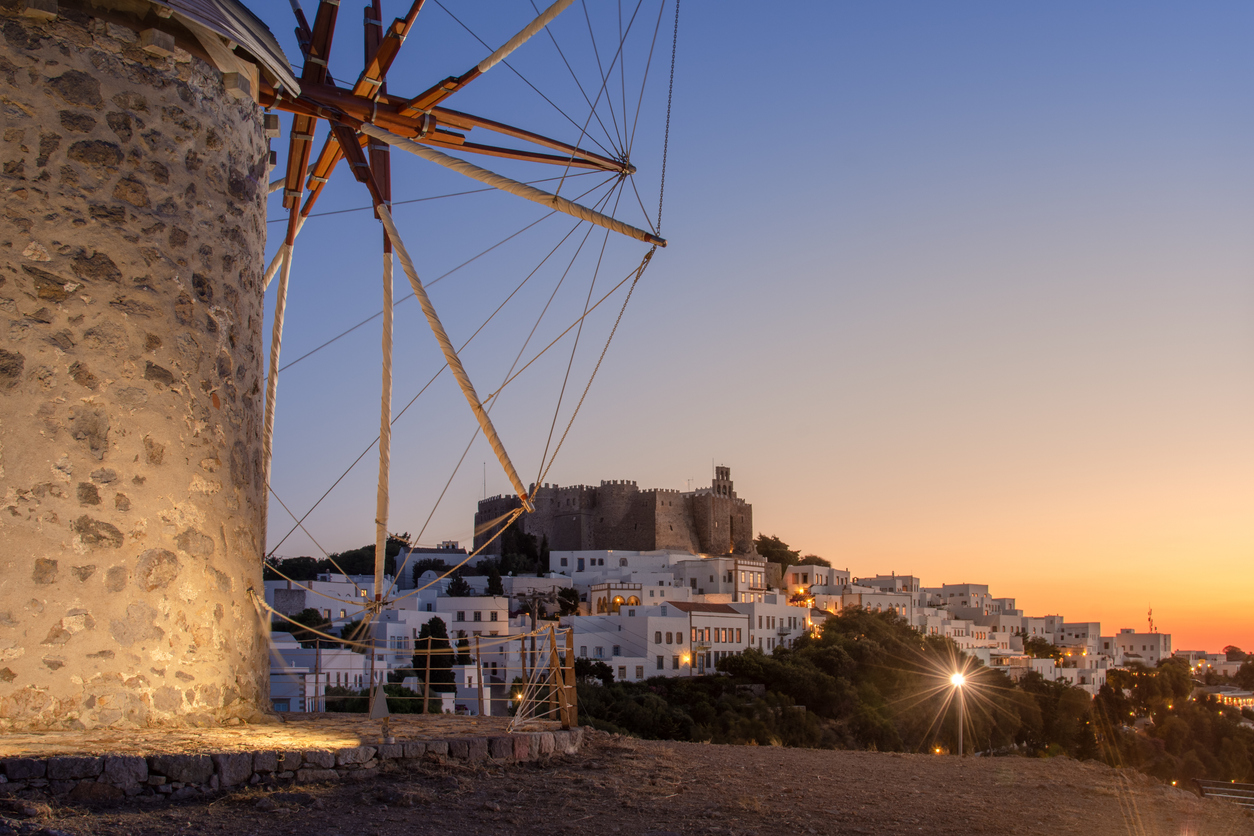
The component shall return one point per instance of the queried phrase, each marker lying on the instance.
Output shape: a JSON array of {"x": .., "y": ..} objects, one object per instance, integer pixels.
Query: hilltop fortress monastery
[{"x": 619, "y": 515}]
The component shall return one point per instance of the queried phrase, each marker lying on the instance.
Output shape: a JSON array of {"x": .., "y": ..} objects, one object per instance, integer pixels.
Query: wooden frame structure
[
  {"x": 365, "y": 121},
  {"x": 419, "y": 118}
]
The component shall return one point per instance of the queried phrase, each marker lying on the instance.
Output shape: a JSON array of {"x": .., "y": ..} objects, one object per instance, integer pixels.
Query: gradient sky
[{"x": 960, "y": 290}]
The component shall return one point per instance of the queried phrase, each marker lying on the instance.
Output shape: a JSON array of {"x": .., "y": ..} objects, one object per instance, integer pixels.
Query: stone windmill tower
[{"x": 134, "y": 161}]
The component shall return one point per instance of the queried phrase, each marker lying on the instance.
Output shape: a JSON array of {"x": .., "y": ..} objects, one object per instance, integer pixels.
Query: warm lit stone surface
[
  {"x": 308, "y": 733},
  {"x": 131, "y": 239},
  {"x": 103, "y": 766}
]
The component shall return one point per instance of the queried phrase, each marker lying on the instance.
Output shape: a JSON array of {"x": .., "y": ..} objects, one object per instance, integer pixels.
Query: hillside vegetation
[{"x": 869, "y": 681}]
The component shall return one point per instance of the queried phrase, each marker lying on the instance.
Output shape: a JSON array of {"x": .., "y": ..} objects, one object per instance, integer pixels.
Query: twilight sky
[{"x": 960, "y": 290}]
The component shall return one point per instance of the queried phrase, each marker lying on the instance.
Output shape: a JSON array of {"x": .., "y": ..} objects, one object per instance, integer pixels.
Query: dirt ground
[{"x": 620, "y": 785}]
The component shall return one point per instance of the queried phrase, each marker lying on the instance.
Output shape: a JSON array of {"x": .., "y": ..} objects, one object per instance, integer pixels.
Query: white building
[{"x": 1147, "y": 648}]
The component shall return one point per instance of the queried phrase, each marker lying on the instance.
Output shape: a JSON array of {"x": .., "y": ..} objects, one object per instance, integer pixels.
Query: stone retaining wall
[{"x": 112, "y": 778}]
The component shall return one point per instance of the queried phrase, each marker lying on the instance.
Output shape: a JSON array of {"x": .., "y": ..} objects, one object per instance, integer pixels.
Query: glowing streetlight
[{"x": 958, "y": 680}]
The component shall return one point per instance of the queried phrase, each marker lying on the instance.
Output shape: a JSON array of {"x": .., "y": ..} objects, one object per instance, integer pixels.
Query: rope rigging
[
  {"x": 346, "y": 130},
  {"x": 441, "y": 370}
]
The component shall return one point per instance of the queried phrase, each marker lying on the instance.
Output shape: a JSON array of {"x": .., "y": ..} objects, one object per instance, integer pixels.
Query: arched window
[
  {"x": 622, "y": 561},
  {"x": 616, "y": 604},
  {"x": 633, "y": 601}
]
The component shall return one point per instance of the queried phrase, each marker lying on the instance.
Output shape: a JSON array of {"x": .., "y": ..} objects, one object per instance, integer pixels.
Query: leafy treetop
[{"x": 776, "y": 550}]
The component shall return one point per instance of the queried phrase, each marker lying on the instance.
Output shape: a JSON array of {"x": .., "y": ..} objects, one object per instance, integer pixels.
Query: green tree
[
  {"x": 356, "y": 636},
  {"x": 1244, "y": 677},
  {"x": 441, "y": 656},
  {"x": 401, "y": 700},
  {"x": 1039, "y": 648},
  {"x": 776, "y": 550},
  {"x": 1234, "y": 654},
  {"x": 495, "y": 587},
  {"x": 813, "y": 560},
  {"x": 428, "y": 564},
  {"x": 587, "y": 670},
  {"x": 568, "y": 601},
  {"x": 458, "y": 587},
  {"x": 291, "y": 568}
]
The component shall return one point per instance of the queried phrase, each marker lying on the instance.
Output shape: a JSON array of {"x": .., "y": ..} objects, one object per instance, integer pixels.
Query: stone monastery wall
[{"x": 618, "y": 515}]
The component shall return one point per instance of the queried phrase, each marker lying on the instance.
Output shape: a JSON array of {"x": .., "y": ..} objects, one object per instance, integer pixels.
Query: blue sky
[{"x": 956, "y": 289}]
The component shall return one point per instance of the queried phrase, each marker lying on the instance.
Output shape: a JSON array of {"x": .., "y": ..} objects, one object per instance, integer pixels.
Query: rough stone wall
[
  {"x": 131, "y": 239},
  {"x": 724, "y": 525},
  {"x": 623, "y": 520},
  {"x": 618, "y": 515},
  {"x": 488, "y": 510},
  {"x": 672, "y": 522}
]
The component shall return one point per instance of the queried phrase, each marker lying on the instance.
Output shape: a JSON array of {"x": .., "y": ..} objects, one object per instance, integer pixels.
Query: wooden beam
[
  {"x": 468, "y": 121},
  {"x": 437, "y": 140},
  {"x": 379, "y": 59},
  {"x": 330, "y": 101}
]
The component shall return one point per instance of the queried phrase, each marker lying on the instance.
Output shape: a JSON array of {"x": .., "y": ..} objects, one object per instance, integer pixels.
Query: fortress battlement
[{"x": 617, "y": 514}]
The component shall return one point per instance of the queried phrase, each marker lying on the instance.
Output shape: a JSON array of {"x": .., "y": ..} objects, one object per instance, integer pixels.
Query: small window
[
  {"x": 461, "y": 615},
  {"x": 618, "y": 650},
  {"x": 640, "y": 670},
  {"x": 674, "y": 663},
  {"x": 657, "y": 637},
  {"x": 622, "y": 672},
  {"x": 661, "y": 664},
  {"x": 492, "y": 616},
  {"x": 668, "y": 639},
  {"x": 563, "y": 561},
  {"x": 583, "y": 651},
  {"x": 737, "y": 635},
  {"x": 600, "y": 652},
  {"x": 343, "y": 613},
  {"x": 478, "y": 616}
]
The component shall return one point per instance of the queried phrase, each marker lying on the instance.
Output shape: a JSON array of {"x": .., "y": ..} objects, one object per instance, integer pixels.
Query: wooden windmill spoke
[
  {"x": 303, "y": 33},
  {"x": 380, "y": 161},
  {"x": 441, "y": 91},
  {"x": 387, "y": 112},
  {"x": 320, "y": 172},
  {"x": 384, "y": 52},
  {"x": 467, "y": 121},
  {"x": 301, "y": 144},
  {"x": 437, "y": 141}
]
